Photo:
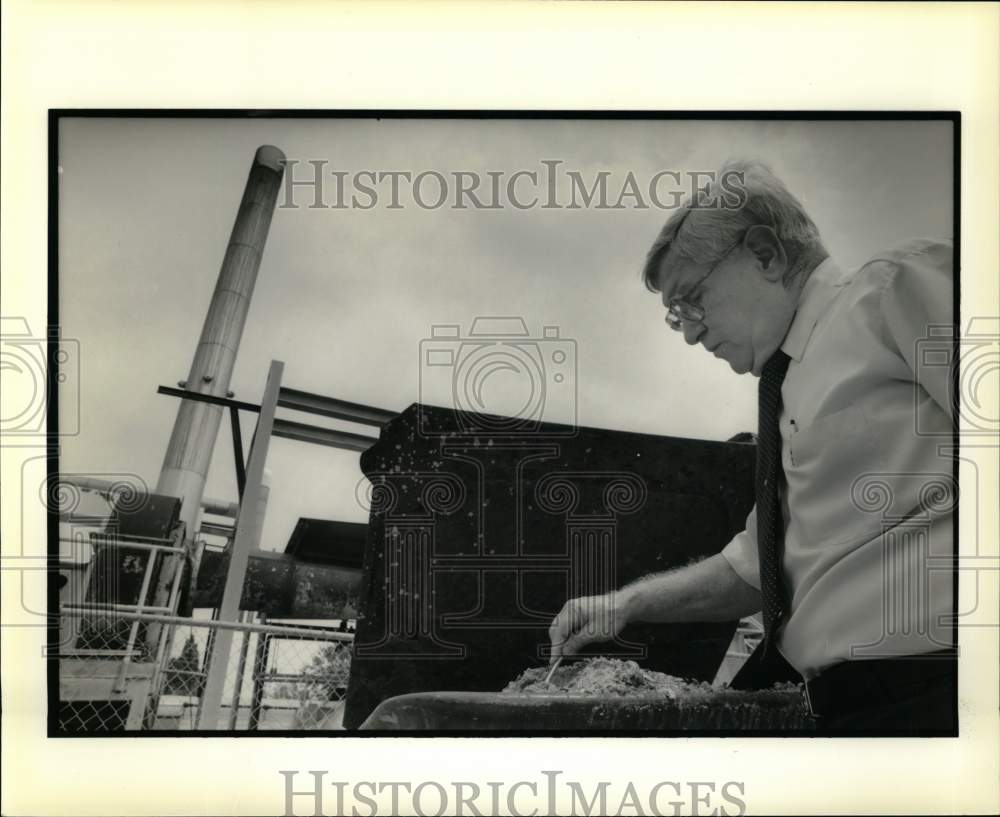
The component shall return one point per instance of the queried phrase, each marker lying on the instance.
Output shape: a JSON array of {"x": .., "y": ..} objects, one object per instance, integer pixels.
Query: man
[{"x": 848, "y": 550}]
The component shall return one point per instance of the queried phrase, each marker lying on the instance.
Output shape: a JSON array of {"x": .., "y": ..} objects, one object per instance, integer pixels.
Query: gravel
[{"x": 603, "y": 676}]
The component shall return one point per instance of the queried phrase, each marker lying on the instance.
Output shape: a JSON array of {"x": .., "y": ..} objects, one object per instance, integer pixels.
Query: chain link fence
[{"x": 141, "y": 672}]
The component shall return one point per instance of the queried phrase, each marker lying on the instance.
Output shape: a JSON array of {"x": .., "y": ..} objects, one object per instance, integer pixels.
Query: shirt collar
[{"x": 821, "y": 286}]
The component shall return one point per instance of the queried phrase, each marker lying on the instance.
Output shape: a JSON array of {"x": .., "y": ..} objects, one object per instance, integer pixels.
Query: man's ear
[{"x": 764, "y": 243}]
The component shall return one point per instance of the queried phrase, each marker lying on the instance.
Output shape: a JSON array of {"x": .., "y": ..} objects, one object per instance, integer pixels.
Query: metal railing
[{"x": 276, "y": 677}]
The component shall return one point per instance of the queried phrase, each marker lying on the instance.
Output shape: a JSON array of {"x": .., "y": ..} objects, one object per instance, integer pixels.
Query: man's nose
[{"x": 692, "y": 330}]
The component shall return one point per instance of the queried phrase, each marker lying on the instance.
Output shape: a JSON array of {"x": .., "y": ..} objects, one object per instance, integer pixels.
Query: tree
[
  {"x": 327, "y": 672},
  {"x": 180, "y": 677}
]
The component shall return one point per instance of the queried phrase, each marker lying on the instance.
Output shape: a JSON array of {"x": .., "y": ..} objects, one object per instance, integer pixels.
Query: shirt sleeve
[
  {"x": 918, "y": 309},
  {"x": 741, "y": 552}
]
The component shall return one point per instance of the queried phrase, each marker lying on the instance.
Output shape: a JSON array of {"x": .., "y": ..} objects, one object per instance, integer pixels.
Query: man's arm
[
  {"x": 710, "y": 590},
  {"x": 917, "y": 304},
  {"x": 707, "y": 591}
]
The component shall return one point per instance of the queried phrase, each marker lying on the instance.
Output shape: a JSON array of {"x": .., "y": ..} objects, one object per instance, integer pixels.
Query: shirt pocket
[{"x": 826, "y": 458}]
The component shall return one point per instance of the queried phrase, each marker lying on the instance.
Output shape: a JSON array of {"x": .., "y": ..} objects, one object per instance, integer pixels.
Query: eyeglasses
[{"x": 681, "y": 311}]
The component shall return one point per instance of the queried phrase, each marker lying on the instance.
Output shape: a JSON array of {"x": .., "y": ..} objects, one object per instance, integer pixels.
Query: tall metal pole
[{"x": 189, "y": 453}]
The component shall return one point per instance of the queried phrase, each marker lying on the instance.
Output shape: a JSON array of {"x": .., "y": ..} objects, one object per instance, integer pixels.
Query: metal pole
[
  {"x": 134, "y": 629},
  {"x": 176, "y": 546},
  {"x": 189, "y": 453},
  {"x": 262, "y": 500},
  {"x": 259, "y": 670},
  {"x": 234, "y": 709},
  {"x": 163, "y": 648},
  {"x": 241, "y": 473},
  {"x": 246, "y": 528}
]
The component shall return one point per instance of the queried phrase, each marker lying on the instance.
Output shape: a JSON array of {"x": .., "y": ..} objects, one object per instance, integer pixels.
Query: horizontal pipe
[
  {"x": 332, "y": 407},
  {"x": 217, "y": 530},
  {"x": 303, "y": 678},
  {"x": 217, "y": 507},
  {"x": 221, "y": 507},
  {"x": 270, "y": 629},
  {"x": 84, "y": 519},
  {"x": 131, "y": 539},
  {"x": 279, "y": 585},
  {"x": 119, "y": 610},
  {"x": 322, "y": 436},
  {"x": 126, "y": 543}
]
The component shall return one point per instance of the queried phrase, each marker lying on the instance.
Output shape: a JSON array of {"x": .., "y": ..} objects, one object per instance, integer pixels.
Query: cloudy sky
[{"x": 345, "y": 296}]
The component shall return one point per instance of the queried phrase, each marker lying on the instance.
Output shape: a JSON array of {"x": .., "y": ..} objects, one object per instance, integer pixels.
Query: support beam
[
  {"x": 241, "y": 470},
  {"x": 212, "y": 399},
  {"x": 243, "y": 544}
]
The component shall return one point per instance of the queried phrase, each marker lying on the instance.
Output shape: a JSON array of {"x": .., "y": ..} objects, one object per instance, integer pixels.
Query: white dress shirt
[{"x": 866, "y": 450}]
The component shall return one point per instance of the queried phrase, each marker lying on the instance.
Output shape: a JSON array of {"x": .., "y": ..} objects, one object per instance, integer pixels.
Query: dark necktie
[{"x": 770, "y": 522}]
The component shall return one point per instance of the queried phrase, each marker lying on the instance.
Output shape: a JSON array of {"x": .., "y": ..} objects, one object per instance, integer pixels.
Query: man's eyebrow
[
  {"x": 689, "y": 291},
  {"x": 665, "y": 281},
  {"x": 664, "y": 251},
  {"x": 677, "y": 288}
]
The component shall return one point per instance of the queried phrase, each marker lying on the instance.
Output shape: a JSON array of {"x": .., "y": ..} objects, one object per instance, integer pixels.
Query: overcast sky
[{"x": 345, "y": 296}]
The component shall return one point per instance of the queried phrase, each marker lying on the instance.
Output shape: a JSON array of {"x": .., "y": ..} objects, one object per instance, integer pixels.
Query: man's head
[{"x": 730, "y": 276}]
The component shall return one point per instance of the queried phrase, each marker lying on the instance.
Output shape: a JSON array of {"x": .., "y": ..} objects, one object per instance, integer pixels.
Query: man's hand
[
  {"x": 585, "y": 620},
  {"x": 707, "y": 591}
]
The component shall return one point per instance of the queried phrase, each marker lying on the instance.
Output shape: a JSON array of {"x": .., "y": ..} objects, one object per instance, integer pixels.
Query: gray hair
[{"x": 745, "y": 193}]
